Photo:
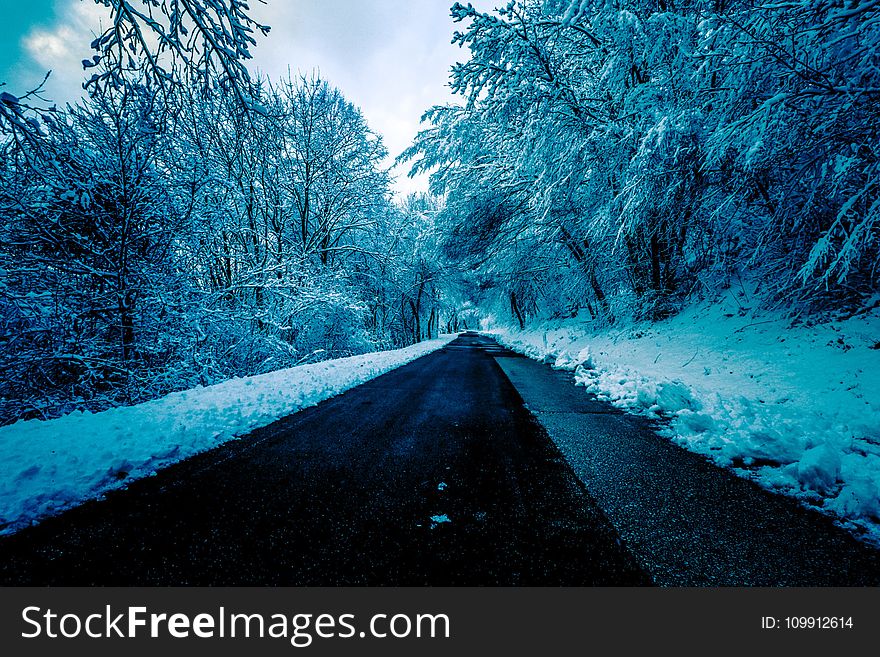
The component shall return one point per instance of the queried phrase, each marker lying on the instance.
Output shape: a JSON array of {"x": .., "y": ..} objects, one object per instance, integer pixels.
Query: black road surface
[
  {"x": 356, "y": 490},
  {"x": 443, "y": 472}
]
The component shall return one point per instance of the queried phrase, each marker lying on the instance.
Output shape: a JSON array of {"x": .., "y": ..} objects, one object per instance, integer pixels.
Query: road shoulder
[{"x": 687, "y": 521}]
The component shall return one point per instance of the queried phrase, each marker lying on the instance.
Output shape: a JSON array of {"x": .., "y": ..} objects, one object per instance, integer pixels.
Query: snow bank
[
  {"x": 46, "y": 466},
  {"x": 795, "y": 408}
]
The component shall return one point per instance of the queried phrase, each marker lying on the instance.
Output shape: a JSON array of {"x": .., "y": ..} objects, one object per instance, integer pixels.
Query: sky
[{"x": 389, "y": 57}]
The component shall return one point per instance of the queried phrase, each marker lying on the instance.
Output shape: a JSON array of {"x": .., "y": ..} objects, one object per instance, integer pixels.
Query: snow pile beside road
[
  {"x": 795, "y": 408},
  {"x": 46, "y": 466}
]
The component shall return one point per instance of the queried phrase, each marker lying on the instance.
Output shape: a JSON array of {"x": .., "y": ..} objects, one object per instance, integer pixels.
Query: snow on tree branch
[{"x": 210, "y": 39}]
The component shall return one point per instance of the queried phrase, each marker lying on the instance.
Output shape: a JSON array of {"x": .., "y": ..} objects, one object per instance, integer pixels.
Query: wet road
[{"x": 434, "y": 473}]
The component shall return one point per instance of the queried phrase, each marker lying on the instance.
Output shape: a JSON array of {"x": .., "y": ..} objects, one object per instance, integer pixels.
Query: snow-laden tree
[
  {"x": 617, "y": 157},
  {"x": 404, "y": 277},
  {"x": 92, "y": 292},
  {"x": 158, "y": 239},
  {"x": 162, "y": 42},
  {"x": 332, "y": 166},
  {"x": 210, "y": 40},
  {"x": 795, "y": 128},
  {"x": 287, "y": 200},
  {"x": 512, "y": 159},
  {"x": 163, "y": 234}
]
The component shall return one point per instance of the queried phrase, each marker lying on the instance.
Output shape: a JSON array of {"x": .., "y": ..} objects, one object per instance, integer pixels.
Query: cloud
[
  {"x": 48, "y": 47},
  {"x": 60, "y": 48}
]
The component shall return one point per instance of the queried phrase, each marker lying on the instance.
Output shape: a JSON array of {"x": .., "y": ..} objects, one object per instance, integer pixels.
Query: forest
[
  {"x": 619, "y": 158},
  {"x": 189, "y": 222},
  {"x": 185, "y": 224}
]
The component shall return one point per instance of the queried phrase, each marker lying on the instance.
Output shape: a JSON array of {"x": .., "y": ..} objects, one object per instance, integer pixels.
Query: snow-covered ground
[
  {"x": 796, "y": 408},
  {"x": 47, "y": 466}
]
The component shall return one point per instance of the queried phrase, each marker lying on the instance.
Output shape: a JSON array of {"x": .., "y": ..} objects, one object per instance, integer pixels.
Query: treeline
[
  {"x": 617, "y": 158},
  {"x": 159, "y": 236}
]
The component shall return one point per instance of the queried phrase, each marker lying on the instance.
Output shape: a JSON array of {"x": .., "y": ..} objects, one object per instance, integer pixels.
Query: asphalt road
[
  {"x": 434, "y": 473},
  {"x": 469, "y": 466}
]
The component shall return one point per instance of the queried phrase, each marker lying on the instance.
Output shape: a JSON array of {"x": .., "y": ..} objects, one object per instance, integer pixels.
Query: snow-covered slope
[
  {"x": 46, "y": 466},
  {"x": 797, "y": 408}
]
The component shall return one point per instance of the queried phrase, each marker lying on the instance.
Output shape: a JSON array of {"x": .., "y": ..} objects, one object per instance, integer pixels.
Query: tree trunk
[
  {"x": 514, "y": 306},
  {"x": 656, "y": 279},
  {"x": 431, "y": 319},
  {"x": 417, "y": 322},
  {"x": 126, "y": 323}
]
